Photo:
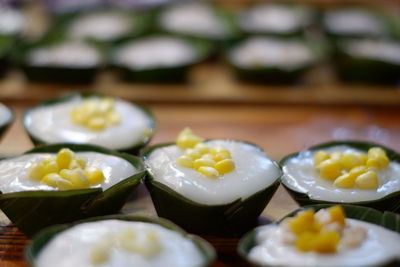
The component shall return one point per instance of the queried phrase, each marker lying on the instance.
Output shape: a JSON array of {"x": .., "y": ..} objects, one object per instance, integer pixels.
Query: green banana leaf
[
  {"x": 6, "y": 125},
  {"x": 132, "y": 149},
  {"x": 31, "y": 211},
  {"x": 41, "y": 239},
  {"x": 56, "y": 73},
  {"x": 229, "y": 220},
  {"x": 161, "y": 74},
  {"x": 274, "y": 74},
  {"x": 385, "y": 219},
  {"x": 390, "y": 202}
]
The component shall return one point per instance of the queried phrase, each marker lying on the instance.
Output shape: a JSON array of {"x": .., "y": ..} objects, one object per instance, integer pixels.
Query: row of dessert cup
[{"x": 32, "y": 210}]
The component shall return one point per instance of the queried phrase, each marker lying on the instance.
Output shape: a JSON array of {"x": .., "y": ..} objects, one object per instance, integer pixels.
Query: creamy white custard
[
  {"x": 153, "y": 52},
  {"x": 11, "y": 20},
  {"x": 382, "y": 50},
  {"x": 353, "y": 21},
  {"x": 380, "y": 246},
  {"x": 72, "y": 247},
  {"x": 5, "y": 114},
  {"x": 74, "y": 54},
  {"x": 15, "y": 178},
  {"x": 275, "y": 18},
  {"x": 268, "y": 52},
  {"x": 300, "y": 174},
  {"x": 193, "y": 19},
  {"x": 253, "y": 172},
  {"x": 53, "y": 124},
  {"x": 102, "y": 26}
]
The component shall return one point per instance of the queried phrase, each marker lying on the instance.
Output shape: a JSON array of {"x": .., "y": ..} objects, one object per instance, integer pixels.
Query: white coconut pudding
[
  {"x": 111, "y": 123},
  {"x": 5, "y": 114},
  {"x": 275, "y": 18},
  {"x": 11, "y": 21},
  {"x": 103, "y": 26},
  {"x": 119, "y": 243},
  {"x": 155, "y": 52},
  {"x": 352, "y": 21},
  {"x": 194, "y": 18},
  {"x": 380, "y": 50},
  {"x": 212, "y": 172},
  {"x": 342, "y": 174},
  {"x": 259, "y": 52},
  {"x": 63, "y": 171},
  {"x": 74, "y": 54},
  {"x": 325, "y": 238}
]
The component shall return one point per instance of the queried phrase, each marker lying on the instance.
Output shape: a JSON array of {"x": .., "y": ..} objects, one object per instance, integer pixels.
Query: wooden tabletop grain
[{"x": 279, "y": 129}]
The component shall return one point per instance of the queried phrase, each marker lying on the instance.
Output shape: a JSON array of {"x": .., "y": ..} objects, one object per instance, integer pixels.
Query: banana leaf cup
[
  {"x": 6, "y": 43},
  {"x": 372, "y": 66},
  {"x": 161, "y": 73},
  {"x": 224, "y": 32},
  {"x": 132, "y": 148},
  {"x": 390, "y": 202},
  {"x": 303, "y": 19},
  {"x": 7, "y": 121},
  {"x": 31, "y": 211},
  {"x": 40, "y": 240},
  {"x": 388, "y": 220},
  {"x": 355, "y": 22},
  {"x": 230, "y": 219},
  {"x": 57, "y": 71},
  {"x": 137, "y": 25},
  {"x": 263, "y": 71}
]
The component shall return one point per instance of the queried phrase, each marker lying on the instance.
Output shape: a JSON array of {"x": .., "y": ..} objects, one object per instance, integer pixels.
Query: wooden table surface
[{"x": 279, "y": 129}]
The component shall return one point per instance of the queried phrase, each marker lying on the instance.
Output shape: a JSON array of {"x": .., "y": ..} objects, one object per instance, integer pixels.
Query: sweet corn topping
[
  {"x": 147, "y": 246},
  {"x": 212, "y": 162},
  {"x": 96, "y": 114},
  {"x": 348, "y": 170},
  {"x": 65, "y": 171},
  {"x": 322, "y": 232}
]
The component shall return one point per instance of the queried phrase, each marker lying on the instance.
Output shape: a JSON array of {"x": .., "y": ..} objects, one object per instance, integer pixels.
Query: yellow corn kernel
[
  {"x": 350, "y": 160},
  {"x": 326, "y": 242},
  {"x": 193, "y": 154},
  {"x": 188, "y": 141},
  {"x": 303, "y": 222},
  {"x": 185, "y": 161},
  {"x": 50, "y": 166},
  {"x": 346, "y": 180},
  {"x": 106, "y": 105},
  {"x": 225, "y": 166},
  {"x": 78, "y": 117},
  {"x": 363, "y": 158},
  {"x": 203, "y": 163},
  {"x": 356, "y": 171},
  {"x": 377, "y": 158},
  {"x": 36, "y": 171},
  {"x": 79, "y": 179},
  {"x": 100, "y": 253},
  {"x": 222, "y": 155},
  {"x": 320, "y": 156},
  {"x": 81, "y": 162},
  {"x": 217, "y": 149},
  {"x": 329, "y": 169},
  {"x": 96, "y": 124},
  {"x": 113, "y": 118},
  {"x": 335, "y": 156},
  {"x": 210, "y": 172},
  {"x": 337, "y": 215},
  {"x": 94, "y": 175},
  {"x": 305, "y": 241},
  {"x": 55, "y": 180},
  {"x": 64, "y": 157},
  {"x": 368, "y": 180},
  {"x": 202, "y": 148},
  {"x": 207, "y": 156}
]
